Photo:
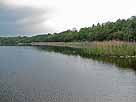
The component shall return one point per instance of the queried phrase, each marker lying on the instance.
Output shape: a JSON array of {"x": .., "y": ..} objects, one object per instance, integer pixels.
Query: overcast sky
[{"x": 27, "y": 17}]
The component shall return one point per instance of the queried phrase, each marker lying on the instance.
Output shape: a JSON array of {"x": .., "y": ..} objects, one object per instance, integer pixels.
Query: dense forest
[{"x": 122, "y": 30}]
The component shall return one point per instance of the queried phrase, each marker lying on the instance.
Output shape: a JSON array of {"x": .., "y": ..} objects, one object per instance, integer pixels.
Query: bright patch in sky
[{"x": 45, "y": 16}]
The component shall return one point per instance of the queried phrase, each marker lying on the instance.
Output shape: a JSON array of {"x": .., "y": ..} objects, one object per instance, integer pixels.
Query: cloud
[
  {"x": 42, "y": 16},
  {"x": 16, "y": 20}
]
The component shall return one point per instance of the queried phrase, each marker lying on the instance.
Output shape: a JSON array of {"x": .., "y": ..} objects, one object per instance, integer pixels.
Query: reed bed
[
  {"x": 112, "y": 49},
  {"x": 105, "y": 48}
]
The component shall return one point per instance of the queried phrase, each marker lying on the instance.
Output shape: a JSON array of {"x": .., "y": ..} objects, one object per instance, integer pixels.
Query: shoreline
[{"x": 106, "y": 48}]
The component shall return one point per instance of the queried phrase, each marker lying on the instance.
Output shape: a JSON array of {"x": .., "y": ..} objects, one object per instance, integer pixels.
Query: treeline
[{"x": 124, "y": 30}]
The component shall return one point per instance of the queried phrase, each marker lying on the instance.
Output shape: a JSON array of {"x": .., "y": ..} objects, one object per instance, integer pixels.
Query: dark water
[{"x": 48, "y": 74}]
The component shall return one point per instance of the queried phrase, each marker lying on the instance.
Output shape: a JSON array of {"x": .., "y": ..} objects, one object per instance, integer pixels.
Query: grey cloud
[{"x": 23, "y": 20}]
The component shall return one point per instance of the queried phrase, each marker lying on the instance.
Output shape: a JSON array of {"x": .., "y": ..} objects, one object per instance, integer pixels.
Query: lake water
[{"x": 35, "y": 74}]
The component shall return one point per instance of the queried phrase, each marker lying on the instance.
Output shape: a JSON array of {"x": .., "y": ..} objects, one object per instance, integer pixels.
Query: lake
[{"x": 49, "y": 74}]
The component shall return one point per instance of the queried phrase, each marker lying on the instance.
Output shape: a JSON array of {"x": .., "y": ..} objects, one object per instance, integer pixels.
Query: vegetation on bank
[
  {"x": 122, "y": 30},
  {"x": 105, "y": 48},
  {"x": 117, "y": 39},
  {"x": 112, "y": 49}
]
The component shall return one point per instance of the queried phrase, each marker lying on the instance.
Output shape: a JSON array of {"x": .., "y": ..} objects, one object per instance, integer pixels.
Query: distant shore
[
  {"x": 119, "y": 49},
  {"x": 105, "y": 48}
]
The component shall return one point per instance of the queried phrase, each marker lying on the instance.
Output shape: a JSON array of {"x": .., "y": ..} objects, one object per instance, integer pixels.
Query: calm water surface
[{"x": 32, "y": 74}]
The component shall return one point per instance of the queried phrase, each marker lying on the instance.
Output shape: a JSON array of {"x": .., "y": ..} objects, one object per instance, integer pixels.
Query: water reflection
[
  {"x": 42, "y": 74},
  {"x": 123, "y": 63}
]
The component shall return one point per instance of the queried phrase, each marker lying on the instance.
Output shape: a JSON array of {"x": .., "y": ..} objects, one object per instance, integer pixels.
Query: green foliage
[{"x": 121, "y": 30}]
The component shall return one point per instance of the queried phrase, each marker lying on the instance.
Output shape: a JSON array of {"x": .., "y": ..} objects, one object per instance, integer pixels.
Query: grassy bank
[{"x": 107, "y": 48}]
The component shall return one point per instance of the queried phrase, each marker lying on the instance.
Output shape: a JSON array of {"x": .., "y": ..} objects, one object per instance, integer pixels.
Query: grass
[
  {"x": 105, "y": 48},
  {"x": 112, "y": 48}
]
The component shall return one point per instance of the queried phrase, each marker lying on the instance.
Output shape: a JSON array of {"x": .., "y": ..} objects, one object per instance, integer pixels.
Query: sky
[{"x": 31, "y": 17}]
